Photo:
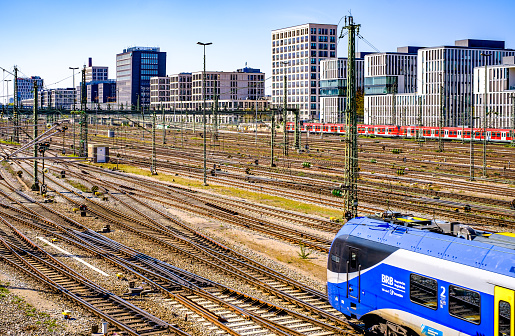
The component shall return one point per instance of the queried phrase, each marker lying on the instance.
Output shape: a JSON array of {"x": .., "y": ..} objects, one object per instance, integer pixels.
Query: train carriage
[{"x": 402, "y": 280}]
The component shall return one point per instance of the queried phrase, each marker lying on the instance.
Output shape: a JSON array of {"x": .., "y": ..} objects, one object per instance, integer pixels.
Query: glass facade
[
  {"x": 381, "y": 85},
  {"x": 333, "y": 87}
]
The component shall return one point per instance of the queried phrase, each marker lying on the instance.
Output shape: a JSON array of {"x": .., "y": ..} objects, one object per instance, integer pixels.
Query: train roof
[{"x": 493, "y": 252}]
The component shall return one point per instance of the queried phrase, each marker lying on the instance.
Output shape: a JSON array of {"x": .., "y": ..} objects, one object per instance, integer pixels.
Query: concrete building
[
  {"x": 333, "y": 87},
  {"x": 390, "y": 86},
  {"x": 180, "y": 91},
  {"x": 236, "y": 90},
  {"x": 96, "y": 73},
  {"x": 500, "y": 95},
  {"x": 296, "y": 55},
  {"x": 56, "y": 98},
  {"x": 134, "y": 68},
  {"x": 444, "y": 84},
  {"x": 26, "y": 87},
  {"x": 160, "y": 93}
]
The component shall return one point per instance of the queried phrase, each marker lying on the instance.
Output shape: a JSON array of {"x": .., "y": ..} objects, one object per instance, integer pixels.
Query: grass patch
[
  {"x": 9, "y": 142},
  {"x": 252, "y": 196},
  {"x": 78, "y": 185}
]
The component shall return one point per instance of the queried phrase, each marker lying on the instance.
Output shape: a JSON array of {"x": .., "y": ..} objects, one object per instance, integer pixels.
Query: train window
[
  {"x": 465, "y": 304},
  {"x": 504, "y": 318},
  {"x": 353, "y": 260},
  {"x": 335, "y": 258},
  {"x": 423, "y": 291}
]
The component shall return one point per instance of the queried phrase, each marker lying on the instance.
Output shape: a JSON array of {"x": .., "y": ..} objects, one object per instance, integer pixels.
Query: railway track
[{"x": 313, "y": 302}]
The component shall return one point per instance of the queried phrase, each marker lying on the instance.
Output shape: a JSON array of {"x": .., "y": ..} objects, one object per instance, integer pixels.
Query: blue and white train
[{"x": 404, "y": 280}]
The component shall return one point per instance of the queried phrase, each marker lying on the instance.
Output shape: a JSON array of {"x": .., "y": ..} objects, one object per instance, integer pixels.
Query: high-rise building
[
  {"x": 26, "y": 87},
  {"x": 390, "y": 87},
  {"x": 500, "y": 95},
  {"x": 134, "y": 68},
  {"x": 96, "y": 73},
  {"x": 444, "y": 84},
  {"x": 333, "y": 87},
  {"x": 296, "y": 55}
]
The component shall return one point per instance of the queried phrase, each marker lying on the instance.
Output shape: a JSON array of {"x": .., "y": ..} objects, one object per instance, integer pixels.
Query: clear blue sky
[{"x": 46, "y": 37}]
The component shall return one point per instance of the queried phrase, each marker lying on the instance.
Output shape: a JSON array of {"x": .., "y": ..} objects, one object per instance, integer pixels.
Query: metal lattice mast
[
  {"x": 272, "y": 140},
  {"x": 513, "y": 118},
  {"x": 215, "y": 112},
  {"x": 163, "y": 122},
  {"x": 297, "y": 129},
  {"x": 35, "y": 186},
  {"x": 351, "y": 139},
  {"x": 16, "y": 119},
  {"x": 440, "y": 121},
  {"x": 83, "y": 150},
  {"x": 153, "y": 169},
  {"x": 285, "y": 115},
  {"x": 419, "y": 121}
]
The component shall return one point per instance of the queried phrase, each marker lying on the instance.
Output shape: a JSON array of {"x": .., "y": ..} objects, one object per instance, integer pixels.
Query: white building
[
  {"x": 500, "y": 95},
  {"x": 296, "y": 55},
  {"x": 390, "y": 87},
  {"x": 333, "y": 87},
  {"x": 96, "y": 73},
  {"x": 443, "y": 85},
  {"x": 240, "y": 89},
  {"x": 56, "y": 98},
  {"x": 180, "y": 91},
  {"x": 160, "y": 93}
]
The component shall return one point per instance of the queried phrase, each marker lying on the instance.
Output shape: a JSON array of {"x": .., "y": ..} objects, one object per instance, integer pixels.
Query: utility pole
[
  {"x": 472, "y": 144},
  {"x": 215, "y": 113},
  {"x": 285, "y": 112},
  {"x": 394, "y": 107},
  {"x": 74, "y": 102},
  {"x": 142, "y": 119},
  {"x": 153, "y": 169},
  {"x": 419, "y": 121},
  {"x": 16, "y": 131},
  {"x": 204, "y": 108},
  {"x": 255, "y": 120},
  {"x": 35, "y": 186},
  {"x": 272, "y": 140},
  {"x": 513, "y": 118},
  {"x": 297, "y": 129},
  {"x": 485, "y": 112},
  {"x": 163, "y": 122},
  {"x": 351, "y": 139},
  {"x": 83, "y": 150},
  {"x": 440, "y": 123}
]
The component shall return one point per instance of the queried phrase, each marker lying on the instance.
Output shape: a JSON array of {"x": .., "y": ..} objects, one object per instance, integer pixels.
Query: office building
[
  {"x": 56, "y": 98},
  {"x": 96, "y": 73},
  {"x": 296, "y": 55},
  {"x": 180, "y": 91},
  {"x": 134, "y": 68},
  {"x": 160, "y": 93},
  {"x": 240, "y": 89},
  {"x": 333, "y": 87},
  {"x": 500, "y": 95},
  {"x": 26, "y": 87},
  {"x": 390, "y": 87},
  {"x": 444, "y": 85}
]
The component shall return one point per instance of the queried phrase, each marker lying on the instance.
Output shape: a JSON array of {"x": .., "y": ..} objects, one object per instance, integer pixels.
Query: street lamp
[
  {"x": 485, "y": 113},
  {"x": 74, "y": 102},
  {"x": 204, "y": 105}
]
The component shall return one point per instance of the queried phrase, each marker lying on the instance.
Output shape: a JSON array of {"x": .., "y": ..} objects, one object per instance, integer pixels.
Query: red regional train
[{"x": 451, "y": 133}]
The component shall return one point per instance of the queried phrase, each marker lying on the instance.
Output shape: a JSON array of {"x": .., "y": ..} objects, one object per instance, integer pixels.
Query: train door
[
  {"x": 504, "y": 312},
  {"x": 503, "y": 136},
  {"x": 354, "y": 273}
]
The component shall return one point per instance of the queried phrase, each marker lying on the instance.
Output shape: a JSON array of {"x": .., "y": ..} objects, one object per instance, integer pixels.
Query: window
[
  {"x": 423, "y": 291},
  {"x": 465, "y": 304},
  {"x": 504, "y": 318}
]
